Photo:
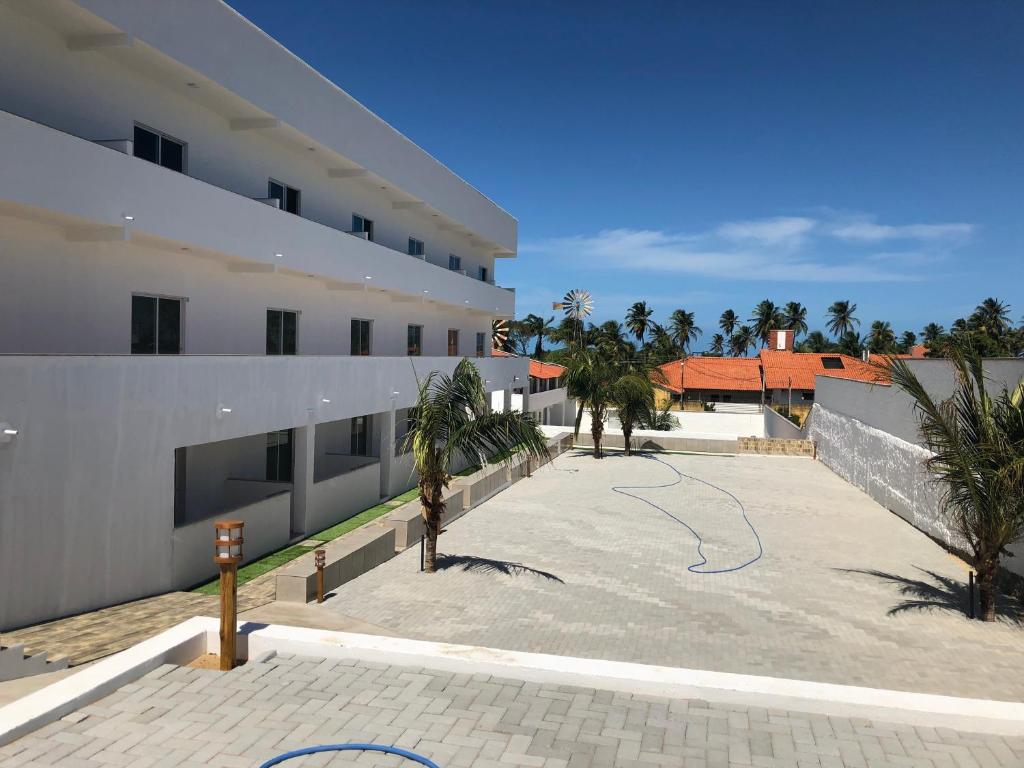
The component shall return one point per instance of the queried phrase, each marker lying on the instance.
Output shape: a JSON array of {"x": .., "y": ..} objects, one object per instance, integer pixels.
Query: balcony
[{"x": 98, "y": 192}]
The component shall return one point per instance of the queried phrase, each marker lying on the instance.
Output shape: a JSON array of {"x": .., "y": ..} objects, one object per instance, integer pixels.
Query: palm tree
[
  {"x": 633, "y": 396},
  {"x": 741, "y": 341},
  {"x": 638, "y": 320},
  {"x": 590, "y": 379},
  {"x": 977, "y": 444},
  {"x": 717, "y": 345},
  {"x": 850, "y": 343},
  {"x": 881, "y": 338},
  {"x": 933, "y": 333},
  {"x": 537, "y": 326},
  {"x": 794, "y": 318},
  {"x": 766, "y": 319},
  {"x": 816, "y": 341},
  {"x": 453, "y": 421},
  {"x": 662, "y": 348},
  {"x": 907, "y": 341},
  {"x": 728, "y": 323},
  {"x": 992, "y": 316},
  {"x": 661, "y": 420},
  {"x": 683, "y": 328},
  {"x": 840, "y": 318}
]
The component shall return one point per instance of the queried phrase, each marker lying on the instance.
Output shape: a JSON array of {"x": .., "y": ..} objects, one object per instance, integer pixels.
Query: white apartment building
[{"x": 221, "y": 279}]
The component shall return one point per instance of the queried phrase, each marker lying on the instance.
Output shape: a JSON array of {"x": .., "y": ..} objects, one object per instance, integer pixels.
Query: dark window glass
[
  {"x": 172, "y": 154},
  {"x": 279, "y": 456},
  {"x": 146, "y": 144},
  {"x": 415, "y": 338},
  {"x": 453, "y": 342},
  {"x": 415, "y": 247},
  {"x": 479, "y": 344},
  {"x": 360, "y": 337},
  {"x": 292, "y": 201},
  {"x": 483, "y": 274},
  {"x": 277, "y": 191},
  {"x": 273, "y": 332},
  {"x": 291, "y": 333},
  {"x": 359, "y": 434},
  {"x": 287, "y": 197},
  {"x": 454, "y": 262},
  {"x": 362, "y": 224},
  {"x": 168, "y": 327},
  {"x": 143, "y": 325},
  {"x": 832, "y": 362}
]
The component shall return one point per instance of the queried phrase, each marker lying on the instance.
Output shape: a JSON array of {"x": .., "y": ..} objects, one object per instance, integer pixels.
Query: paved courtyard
[
  {"x": 188, "y": 718},
  {"x": 844, "y": 592}
]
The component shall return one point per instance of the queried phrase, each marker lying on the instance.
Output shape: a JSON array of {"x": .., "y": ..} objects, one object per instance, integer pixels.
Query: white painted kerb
[{"x": 192, "y": 638}]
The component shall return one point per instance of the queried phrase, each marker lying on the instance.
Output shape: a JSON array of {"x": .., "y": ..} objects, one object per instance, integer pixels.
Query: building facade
[
  {"x": 223, "y": 278},
  {"x": 545, "y": 396}
]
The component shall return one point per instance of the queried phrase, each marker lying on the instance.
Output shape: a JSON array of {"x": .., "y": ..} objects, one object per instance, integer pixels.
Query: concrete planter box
[
  {"x": 348, "y": 557},
  {"x": 407, "y": 520}
]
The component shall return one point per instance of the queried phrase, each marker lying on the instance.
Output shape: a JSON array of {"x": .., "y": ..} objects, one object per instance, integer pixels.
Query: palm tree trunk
[
  {"x": 433, "y": 509},
  {"x": 596, "y": 430},
  {"x": 627, "y": 431},
  {"x": 988, "y": 568}
]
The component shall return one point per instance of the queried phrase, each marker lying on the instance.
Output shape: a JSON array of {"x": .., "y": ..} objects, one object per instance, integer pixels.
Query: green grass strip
[{"x": 267, "y": 563}]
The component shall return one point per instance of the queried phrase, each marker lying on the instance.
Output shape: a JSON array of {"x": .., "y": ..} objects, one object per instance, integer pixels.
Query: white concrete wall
[
  {"x": 339, "y": 498},
  {"x": 91, "y": 471},
  {"x": 98, "y": 95},
  {"x": 266, "y": 526},
  {"x": 703, "y": 425}
]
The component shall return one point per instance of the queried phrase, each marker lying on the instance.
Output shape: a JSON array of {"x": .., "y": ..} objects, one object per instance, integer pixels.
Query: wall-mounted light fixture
[
  {"x": 325, "y": 400},
  {"x": 278, "y": 255},
  {"x": 222, "y": 410},
  {"x": 7, "y": 432},
  {"x": 127, "y": 217}
]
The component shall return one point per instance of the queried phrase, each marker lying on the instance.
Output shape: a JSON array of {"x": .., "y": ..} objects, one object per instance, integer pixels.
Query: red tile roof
[
  {"x": 538, "y": 370},
  {"x": 724, "y": 373},
  {"x": 798, "y": 369}
]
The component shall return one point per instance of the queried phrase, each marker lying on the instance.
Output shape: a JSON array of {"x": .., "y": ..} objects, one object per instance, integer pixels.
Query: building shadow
[
  {"x": 935, "y": 592},
  {"x": 472, "y": 564}
]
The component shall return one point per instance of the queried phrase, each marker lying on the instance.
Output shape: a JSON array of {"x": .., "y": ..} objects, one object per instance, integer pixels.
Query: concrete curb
[{"x": 196, "y": 636}]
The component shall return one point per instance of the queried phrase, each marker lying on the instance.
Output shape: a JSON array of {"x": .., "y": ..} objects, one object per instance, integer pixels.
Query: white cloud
[{"x": 784, "y": 249}]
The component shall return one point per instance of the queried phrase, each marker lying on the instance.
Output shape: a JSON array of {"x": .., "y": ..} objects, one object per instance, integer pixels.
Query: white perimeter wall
[{"x": 708, "y": 425}]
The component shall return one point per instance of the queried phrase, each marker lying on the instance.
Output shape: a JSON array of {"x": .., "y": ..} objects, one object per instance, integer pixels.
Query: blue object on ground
[{"x": 351, "y": 747}]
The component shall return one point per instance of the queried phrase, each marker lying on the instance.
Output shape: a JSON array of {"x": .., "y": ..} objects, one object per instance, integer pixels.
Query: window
[
  {"x": 807, "y": 396},
  {"x": 453, "y": 342},
  {"x": 416, "y": 247},
  {"x": 480, "y": 336},
  {"x": 156, "y": 325},
  {"x": 832, "y": 363},
  {"x": 360, "y": 433},
  {"x": 360, "y": 337},
  {"x": 483, "y": 274},
  {"x": 362, "y": 224},
  {"x": 415, "y": 340},
  {"x": 279, "y": 456},
  {"x": 454, "y": 262},
  {"x": 288, "y": 197},
  {"x": 282, "y": 331},
  {"x": 158, "y": 148}
]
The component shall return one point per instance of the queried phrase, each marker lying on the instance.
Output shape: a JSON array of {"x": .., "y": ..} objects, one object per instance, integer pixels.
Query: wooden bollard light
[
  {"x": 227, "y": 554},
  {"x": 321, "y": 561}
]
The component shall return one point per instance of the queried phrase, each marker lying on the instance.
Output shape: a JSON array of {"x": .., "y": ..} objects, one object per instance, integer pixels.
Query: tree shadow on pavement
[
  {"x": 471, "y": 564},
  {"x": 938, "y": 592}
]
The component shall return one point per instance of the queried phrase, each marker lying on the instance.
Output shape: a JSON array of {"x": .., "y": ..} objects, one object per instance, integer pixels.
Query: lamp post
[
  {"x": 321, "y": 560},
  {"x": 227, "y": 554}
]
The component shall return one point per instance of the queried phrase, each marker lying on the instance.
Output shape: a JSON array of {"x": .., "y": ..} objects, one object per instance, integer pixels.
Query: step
[{"x": 15, "y": 663}]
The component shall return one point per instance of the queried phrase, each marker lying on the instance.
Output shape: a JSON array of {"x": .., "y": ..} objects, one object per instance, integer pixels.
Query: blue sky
[{"x": 707, "y": 155}]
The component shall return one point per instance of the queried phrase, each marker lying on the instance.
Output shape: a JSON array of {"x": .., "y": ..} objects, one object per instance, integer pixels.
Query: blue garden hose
[
  {"x": 695, "y": 567},
  {"x": 351, "y": 747}
]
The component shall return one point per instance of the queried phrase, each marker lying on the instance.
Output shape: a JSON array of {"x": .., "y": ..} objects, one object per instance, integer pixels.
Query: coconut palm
[
  {"x": 658, "y": 419},
  {"x": 717, "y": 345},
  {"x": 992, "y": 316},
  {"x": 633, "y": 396},
  {"x": 881, "y": 338},
  {"x": 850, "y": 343},
  {"x": 683, "y": 328},
  {"x": 452, "y": 422},
  {"x": 662, "y": 348},
  {"x": 728, "y": 322},
  {"x": 840, "y": 318},
  {"x": 977, "y": 444},
  {"x": 932, "y": 334},
  {"x": 638, "y": 320},
  {"x": 908, "y": 340},
  {"x": 741, "y": 341},
  {"x": 767, "y": 318},
  {"x": 590, "y": 379},
  {"x": 816, "y": 341},
  {"x": 794, "y": 318},
  {"x": 537, "y": 326}
]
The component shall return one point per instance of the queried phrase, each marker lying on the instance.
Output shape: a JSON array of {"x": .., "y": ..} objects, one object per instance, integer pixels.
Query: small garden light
[{"x": 227, "y": 554}]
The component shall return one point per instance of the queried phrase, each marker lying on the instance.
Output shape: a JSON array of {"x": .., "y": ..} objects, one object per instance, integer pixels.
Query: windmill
[
  {"x": 499, "y": 335},
  {"x": 577, "y": 305}
]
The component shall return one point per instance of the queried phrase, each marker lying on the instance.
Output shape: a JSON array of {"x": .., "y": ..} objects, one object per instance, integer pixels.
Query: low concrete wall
[
  {"x": 777, "y": 425},
  {"x": 403, "y": 474},
  {"x": 267, "y": 527},
  {"x": 661, "y": 441},
  {"x": 770, "y": 446},
  {"x": 348, "y": 557},
  {"x": 339, "y": 498}
]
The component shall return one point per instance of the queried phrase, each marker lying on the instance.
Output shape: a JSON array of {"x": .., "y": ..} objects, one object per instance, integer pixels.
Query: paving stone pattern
[
  {"x": 186, "y": 718},
  {"x": 846, "y": 592}
]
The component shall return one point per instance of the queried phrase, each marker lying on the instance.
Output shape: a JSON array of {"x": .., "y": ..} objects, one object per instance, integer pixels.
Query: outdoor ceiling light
[
  {"x": 7, "y": 432},
  {"x": 127, "y": 217},
  {"x": 227, "y": 547},
  {"x": 426, "y": 291},
  {"x": 222, "y": 410},
  {"x": 325, "y": 400},
  {"x": 278, "y": 255}
]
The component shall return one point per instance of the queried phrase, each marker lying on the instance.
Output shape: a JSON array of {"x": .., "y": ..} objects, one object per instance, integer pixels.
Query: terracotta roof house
[
  {"x": 782, "y": 375},
  {"x": 548, "y": 399}
]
